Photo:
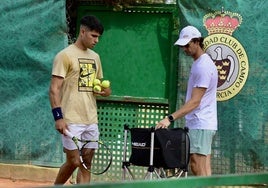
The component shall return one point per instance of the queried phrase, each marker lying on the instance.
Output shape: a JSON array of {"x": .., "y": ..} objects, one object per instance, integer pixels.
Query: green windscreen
[
  {"x": 138, "y": 57},
  {"x": 32, "y": 32},
  {"x": 241, "y": 144}
]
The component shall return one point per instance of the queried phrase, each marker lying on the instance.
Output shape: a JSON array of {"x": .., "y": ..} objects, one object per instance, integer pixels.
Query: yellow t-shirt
[{"x": 78, "y": 68}]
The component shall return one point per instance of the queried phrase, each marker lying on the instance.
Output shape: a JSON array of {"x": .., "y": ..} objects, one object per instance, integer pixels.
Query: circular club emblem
[{"x": 232, "y": 63}]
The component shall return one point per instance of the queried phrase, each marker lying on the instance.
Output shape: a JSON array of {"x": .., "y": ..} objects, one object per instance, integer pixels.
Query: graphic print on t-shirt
[{"x": 86, "y": 75}]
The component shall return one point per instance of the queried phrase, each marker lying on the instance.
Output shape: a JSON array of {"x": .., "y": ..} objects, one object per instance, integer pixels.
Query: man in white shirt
[{"x": 200, "y": 108}]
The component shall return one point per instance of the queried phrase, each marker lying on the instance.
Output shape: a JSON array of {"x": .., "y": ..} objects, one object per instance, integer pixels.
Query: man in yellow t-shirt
[{"x": 72, "y": 98}]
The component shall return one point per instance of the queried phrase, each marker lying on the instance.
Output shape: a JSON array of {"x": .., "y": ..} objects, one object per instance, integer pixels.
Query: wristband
[{"x": 57, "y": 113}]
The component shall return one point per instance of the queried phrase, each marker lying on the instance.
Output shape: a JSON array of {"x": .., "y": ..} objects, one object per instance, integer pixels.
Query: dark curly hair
[{"x": 92, "y": 23}]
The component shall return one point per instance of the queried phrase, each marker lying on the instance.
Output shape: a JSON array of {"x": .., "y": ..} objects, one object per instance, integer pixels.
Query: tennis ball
[
  {"x": 105, "y": 83},
  {"x": 96, "y": 82},
  {"x": 97, "y": 88}
]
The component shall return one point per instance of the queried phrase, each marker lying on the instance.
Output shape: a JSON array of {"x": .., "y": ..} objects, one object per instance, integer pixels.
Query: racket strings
[{"x": 101, "y": 159}]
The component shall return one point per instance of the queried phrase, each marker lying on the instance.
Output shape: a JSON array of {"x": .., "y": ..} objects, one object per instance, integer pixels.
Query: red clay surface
[{"x": 8, "y": 183}]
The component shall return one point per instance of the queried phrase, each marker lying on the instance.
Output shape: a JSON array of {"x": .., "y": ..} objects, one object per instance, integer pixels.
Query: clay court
[
  {"x": 26, "y": 176},
  {"x": 9, "y": 183}
]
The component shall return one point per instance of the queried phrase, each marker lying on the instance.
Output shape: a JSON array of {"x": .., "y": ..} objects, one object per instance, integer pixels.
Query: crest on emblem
[{"x": 227, "y": 53}]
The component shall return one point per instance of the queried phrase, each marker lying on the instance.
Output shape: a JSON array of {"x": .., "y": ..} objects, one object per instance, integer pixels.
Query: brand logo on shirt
[
  {"x": 87, "y": 74},
  {"x": 227, "y": 53}
]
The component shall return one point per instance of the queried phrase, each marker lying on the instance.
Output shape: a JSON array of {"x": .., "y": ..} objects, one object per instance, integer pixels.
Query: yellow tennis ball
[
  {"x": 96, "y": 82},
  {"x": 105, "y": 83},
  {"x": 97, "y": 88}
]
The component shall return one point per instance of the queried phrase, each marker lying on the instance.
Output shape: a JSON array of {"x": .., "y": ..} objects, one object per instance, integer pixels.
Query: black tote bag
[{"x": 175, "y": 147}]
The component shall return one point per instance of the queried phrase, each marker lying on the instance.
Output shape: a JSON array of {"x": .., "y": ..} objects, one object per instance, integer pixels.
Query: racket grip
[{"x": 68, "y": 133}]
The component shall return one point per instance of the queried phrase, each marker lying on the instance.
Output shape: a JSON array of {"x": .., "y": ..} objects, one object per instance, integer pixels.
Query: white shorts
[{"x": 81, "y": 131}]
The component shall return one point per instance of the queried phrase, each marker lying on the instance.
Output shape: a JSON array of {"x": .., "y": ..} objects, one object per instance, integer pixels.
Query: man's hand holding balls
[{"x": 102, "y": 87}]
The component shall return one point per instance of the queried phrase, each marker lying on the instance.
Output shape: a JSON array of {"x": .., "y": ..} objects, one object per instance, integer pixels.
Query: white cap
[{"x": 187, "y": 34}]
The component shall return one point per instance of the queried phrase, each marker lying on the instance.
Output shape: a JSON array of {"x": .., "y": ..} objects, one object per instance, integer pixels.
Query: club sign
[{"x": 227, "y": 53}]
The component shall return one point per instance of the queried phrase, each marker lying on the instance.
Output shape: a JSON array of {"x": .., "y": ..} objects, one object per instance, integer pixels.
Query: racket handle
[{"x": 68, "y": 133}]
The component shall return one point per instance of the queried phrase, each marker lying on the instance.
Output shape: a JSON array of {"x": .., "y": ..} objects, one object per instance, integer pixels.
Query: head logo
[{"x": 227, "y": 53}]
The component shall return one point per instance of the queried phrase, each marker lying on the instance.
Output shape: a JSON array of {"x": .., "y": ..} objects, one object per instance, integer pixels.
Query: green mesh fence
[{"x": 113, "y": 117}]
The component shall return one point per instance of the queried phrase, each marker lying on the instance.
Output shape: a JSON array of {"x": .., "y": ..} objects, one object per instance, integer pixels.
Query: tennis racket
[{"x": 101, "y": 160}]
